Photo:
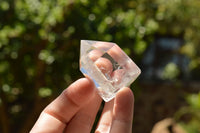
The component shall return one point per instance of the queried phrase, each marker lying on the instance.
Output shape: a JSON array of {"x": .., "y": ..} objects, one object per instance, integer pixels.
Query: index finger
[
  {"x": 58, "y": 113},
  {"x": 123, "y": 112}
]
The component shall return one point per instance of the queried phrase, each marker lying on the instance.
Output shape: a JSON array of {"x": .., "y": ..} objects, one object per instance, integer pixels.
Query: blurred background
[{"x": 39, "y": 57}]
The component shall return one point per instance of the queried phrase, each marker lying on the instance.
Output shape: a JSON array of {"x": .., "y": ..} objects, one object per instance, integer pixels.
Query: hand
[{"x": 74, "y": 111}]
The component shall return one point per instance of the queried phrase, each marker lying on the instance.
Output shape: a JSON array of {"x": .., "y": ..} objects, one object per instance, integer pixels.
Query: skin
[{"x": 75, "y": 109}]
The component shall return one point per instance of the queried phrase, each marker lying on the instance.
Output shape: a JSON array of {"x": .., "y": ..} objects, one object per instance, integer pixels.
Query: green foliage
[
  {"x": 194, "y": 101},
  {"x": 191, "y": 125},
  {"x": 45, "y": 92},
  {"x": 171, "y": 71}
]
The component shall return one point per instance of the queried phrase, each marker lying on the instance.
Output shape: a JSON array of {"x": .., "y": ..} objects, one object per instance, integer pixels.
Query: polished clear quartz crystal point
[{"x": 108, "y": 66}]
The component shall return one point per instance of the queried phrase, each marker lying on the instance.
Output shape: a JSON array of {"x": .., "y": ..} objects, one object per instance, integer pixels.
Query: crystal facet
[{"x": 108, "y": 66}]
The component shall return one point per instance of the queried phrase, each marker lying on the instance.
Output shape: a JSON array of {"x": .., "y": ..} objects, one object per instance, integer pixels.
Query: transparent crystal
[{"x": 108, "y": 66}]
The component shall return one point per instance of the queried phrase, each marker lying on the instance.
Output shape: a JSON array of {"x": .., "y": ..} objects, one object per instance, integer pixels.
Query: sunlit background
[{"x": 39, "y": 57}]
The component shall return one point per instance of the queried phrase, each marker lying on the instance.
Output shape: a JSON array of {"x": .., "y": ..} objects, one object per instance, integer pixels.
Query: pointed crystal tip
[{"x": 108, "y": 66}]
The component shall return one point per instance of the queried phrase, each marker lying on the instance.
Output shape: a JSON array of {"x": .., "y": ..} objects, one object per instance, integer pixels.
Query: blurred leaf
[
  {"x": 171, "y": 71},
  {"x": 194, "y": 100},
  {"x": 45, "y": 92},
  {"x": 192, "y": 127},
  {"x": 151, "y": 26},
  {"x": 4, "y": 5},
  {"x": 46, "y": 56},
  {"x": 4, "y": 66},
  {"x": 188, "y": 49},
  {"x": 140, "y": 47},
  {"x": 127, "y": 51},
  {"x": 6, "y": 88}
]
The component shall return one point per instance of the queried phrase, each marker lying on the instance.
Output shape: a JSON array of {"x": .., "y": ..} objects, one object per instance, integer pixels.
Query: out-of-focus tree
[
  {"x": 191, "y": 113},
  {"x": 180, "y": 18},
  {"x": 39, "y": 44}
]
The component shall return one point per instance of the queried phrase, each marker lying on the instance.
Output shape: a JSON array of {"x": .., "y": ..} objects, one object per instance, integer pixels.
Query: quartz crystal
[{"x": 108, "y": 66}]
